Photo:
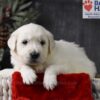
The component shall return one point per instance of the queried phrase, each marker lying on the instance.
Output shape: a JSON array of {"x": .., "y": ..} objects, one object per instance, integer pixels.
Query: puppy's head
[{"x": 32, "y": 44}]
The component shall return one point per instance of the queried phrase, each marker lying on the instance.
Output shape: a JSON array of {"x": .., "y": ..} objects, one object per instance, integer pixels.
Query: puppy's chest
[{"x": 39, "y": 68}]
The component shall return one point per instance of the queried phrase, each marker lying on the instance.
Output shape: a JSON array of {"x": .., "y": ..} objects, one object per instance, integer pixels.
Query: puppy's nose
[{"x": 35, "y": 55}]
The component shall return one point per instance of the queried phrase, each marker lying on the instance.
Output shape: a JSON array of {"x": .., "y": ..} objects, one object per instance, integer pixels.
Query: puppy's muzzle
[{"x": 34, "y": 56}]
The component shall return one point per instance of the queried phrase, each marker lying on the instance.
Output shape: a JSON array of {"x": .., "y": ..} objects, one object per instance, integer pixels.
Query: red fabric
[{"x": 70, "y": 87}]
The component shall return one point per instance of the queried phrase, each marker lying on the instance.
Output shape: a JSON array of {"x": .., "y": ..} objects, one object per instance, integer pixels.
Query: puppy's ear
[
  {"x": 51, "y": 42},
  {"x": 12, "y": 41}
]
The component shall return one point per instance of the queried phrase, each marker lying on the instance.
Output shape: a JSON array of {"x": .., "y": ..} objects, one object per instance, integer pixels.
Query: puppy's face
[{"x": 32, "y": 43}]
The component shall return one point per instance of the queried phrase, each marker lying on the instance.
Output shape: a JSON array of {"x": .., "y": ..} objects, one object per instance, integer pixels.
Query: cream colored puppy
[{"x": 33, "y": 50}]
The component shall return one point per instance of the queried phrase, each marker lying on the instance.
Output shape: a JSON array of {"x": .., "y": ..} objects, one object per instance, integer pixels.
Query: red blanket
[{"x": 70, "y": 87}]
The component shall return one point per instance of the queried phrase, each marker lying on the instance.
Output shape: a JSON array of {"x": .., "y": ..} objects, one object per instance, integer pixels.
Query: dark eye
[
  {"x": 42, "y": 42},
  {"x": 25, "y": 42}
]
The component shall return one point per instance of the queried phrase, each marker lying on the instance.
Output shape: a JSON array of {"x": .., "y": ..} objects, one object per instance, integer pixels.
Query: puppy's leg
[
  {"x": 50, "y": 77},
  {"x": 28, "y": 74},
  {"x": 6, "y": 72}
]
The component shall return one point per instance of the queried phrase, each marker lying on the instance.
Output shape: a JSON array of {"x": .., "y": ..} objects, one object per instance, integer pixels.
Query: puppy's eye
[
  {"x": 42, "y": 42},
  {"x": 25, "y": 42}
]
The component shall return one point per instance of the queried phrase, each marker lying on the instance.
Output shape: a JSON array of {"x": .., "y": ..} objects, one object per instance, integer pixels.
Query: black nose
[{"x": 35, "y": 55}]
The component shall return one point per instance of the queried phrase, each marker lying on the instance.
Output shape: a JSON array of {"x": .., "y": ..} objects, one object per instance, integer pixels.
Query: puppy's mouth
[{"x": 33, "y": 62}]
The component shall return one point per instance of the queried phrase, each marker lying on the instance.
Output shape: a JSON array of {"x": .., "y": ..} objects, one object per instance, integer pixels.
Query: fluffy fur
[{"x": 55, "y": 57}]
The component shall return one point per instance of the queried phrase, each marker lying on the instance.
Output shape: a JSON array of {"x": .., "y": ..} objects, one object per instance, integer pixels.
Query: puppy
[{"x": 33, "y": 50}]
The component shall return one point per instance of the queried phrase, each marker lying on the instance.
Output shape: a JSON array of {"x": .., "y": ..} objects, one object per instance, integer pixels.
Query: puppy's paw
[
  {"x": 28, "y": 76},
  {"x": 50, "y": 82}
]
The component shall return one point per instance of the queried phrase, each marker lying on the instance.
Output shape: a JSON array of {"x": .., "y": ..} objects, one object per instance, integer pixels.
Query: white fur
[{"x": 56, "y": 57}]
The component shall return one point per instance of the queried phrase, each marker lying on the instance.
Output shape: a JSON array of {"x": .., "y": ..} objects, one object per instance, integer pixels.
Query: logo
[
  {"x": 87, "y": 5},
  {"x": 91, "y": 9}
]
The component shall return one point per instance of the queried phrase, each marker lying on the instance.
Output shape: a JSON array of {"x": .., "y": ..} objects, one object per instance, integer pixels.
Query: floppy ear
[
  {"x": 51, "y": 42},
  {"x": 12, "y": 41}
]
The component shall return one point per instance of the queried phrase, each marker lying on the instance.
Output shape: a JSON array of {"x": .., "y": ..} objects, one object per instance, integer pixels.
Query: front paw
[
  {"x": 28, "y": 76},
  {"x": 50, "y": 82}
]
